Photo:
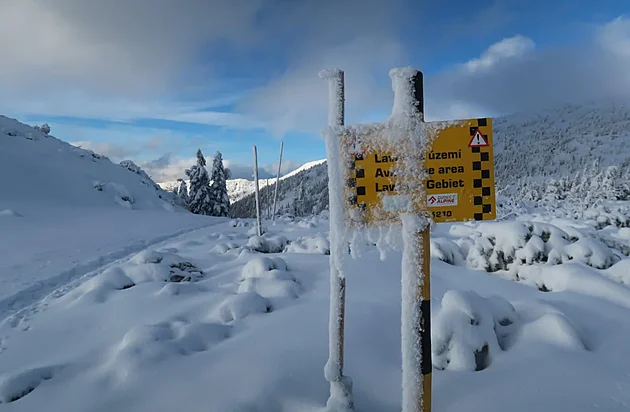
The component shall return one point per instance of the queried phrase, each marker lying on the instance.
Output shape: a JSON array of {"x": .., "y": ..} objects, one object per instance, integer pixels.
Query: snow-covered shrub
[
  {"x": 309, "y": 244},
  {"x": 494, "y": 246},
  {"x": 268, "y": 277},
  {"x": 122, "y": 196},
  {"x": 134, "y": 168},
  {"x": 261, "y": 265},
  {"x": 98, "y": 288},
  {"x": 268, "y": 243},
  {"x": 239, "y": 223},
  {"x": 603, "y": 216},
  {"x": 469, "y": 330},
  {"x": 45, "y": 128},
  {"x": 447, "y": 251},
  {"x": 239, "y": 306},
  {"x": 153, "y": 266}
]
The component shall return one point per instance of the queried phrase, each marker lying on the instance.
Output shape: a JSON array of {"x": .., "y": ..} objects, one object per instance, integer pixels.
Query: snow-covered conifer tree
[
  {"x": 182, "y": 192},
  {"x": 218, "y": 188},
  {"x": 199, "y": 199}
]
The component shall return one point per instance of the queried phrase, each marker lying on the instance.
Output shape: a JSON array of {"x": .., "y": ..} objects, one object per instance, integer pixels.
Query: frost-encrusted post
[
  {"x": 257, "y": 192},
  {"x": 416, "y": 317},
  {"x": 340, "y": 386},
  {"x": 275, "y": 194}
]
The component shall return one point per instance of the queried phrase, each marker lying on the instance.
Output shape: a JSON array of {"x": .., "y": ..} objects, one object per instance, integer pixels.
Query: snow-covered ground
[
  {"x": 526, "y": 315},
  {"x": 41, "y": 249}
]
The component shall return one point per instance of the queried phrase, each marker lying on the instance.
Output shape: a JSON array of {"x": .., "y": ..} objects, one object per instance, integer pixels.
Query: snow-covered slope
[
  {"x": 302, "y": 193},
  {"x": 564, "y": 160},
  {"x": 574, "y": 155},
  {"x": 38, "y": 169}
]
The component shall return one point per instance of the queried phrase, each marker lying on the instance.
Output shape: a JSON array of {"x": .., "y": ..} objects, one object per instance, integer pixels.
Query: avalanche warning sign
[
  {"x": 478, "y": 140},
  {"x": 459, "y": 185}
]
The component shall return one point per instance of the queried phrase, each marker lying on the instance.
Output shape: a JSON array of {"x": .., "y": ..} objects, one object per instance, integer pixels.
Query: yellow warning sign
[{"x": 459, "y": 168}]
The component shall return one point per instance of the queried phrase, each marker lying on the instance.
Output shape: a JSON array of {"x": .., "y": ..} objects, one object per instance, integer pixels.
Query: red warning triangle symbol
[{"x": 478, "y": 140}]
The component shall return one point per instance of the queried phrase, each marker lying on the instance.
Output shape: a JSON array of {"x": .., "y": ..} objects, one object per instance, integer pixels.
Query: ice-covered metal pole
[
  {"x": 340, "y": 386},
  {"x": 257, "y": 192},
  {"x": 275, "y": 194},
  {"x": 416, "y": 291}
]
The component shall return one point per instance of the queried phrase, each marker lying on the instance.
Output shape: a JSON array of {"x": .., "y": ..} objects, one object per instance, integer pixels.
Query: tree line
[{"x": 207, "y": 193}]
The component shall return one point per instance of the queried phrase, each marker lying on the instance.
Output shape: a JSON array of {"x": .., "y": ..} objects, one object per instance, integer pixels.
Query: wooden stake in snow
[
  {"x": 275, "y": 194},
  {"x": 340, "y": 386},
  {"x": 257, "y": 192}
]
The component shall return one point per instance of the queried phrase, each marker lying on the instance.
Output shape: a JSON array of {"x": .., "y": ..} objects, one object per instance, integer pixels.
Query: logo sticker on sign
[{"x": 446, "y": 199}]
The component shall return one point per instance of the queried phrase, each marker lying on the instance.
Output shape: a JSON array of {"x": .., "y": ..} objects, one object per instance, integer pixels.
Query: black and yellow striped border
[{"x": 482, "y": 184}]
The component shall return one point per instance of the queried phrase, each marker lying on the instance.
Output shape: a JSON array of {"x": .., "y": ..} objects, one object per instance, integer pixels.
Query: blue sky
[{"x": 153, "y": 80}]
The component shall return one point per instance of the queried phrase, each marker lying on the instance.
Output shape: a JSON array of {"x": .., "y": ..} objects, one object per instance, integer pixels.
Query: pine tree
[
  {"x": 298, "y": 203},
  {"x": 182, "y": 192},
  {"x": 199, "y": 194},
  {"x": 218, "y": 189}
]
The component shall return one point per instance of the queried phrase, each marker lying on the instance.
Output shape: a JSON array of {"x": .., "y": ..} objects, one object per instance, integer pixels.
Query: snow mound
[
  {"x": 154, "y": 266},
  {"x": 310, "y": 244},
  {"x": 98, "y": 288},
  {"x": 308, "y": 223},
  {"x": 620, "y": 272},
  {"x": 150, "y": 344},
  {"x": 495, "y": 246},
  {"x": 552, "y": 329},
  {"x": 469, "y": 330},
  {"x": 268, "y": 277},
  {"x": 176, "y": 289},
  {"x": 16, "y": 386},
  {"x": 239, "y": 306},
  {"x": 578, "y": 278},
  {"x": 268, "y": 243},
  {"x": 223, "y": 248},
  {"x": 56, "y": 173},
  {"x": 260, "y": 265}
]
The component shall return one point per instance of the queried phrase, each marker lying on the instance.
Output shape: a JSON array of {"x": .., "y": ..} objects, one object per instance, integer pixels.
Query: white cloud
[
  {"x": 115, "y": 152},
  {"x": 515, "y": 77},
  {"x": 167, "y": 168},
  {"x": 122, "y": 60},
  {"x": 509, "y": 48},
  {"x": 615, "y": 37},
  {"x": 297, "y": 100},
  {"x": 120, "y": 46},
  {"x": 288, "y": 165}
]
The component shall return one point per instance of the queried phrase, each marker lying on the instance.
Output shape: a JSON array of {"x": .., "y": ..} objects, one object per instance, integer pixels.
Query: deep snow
[
  {"x": 40, "y": 169},
  {"x": 250, "y": 334}
]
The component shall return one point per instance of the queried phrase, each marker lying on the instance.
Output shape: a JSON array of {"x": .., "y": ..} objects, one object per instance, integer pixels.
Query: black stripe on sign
[
  {"x": 360, "y": 190},
  {"x": 425, "y": 336},
  {"x": 360, "y": 173},
  {"x": 483, "y": 121}
]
